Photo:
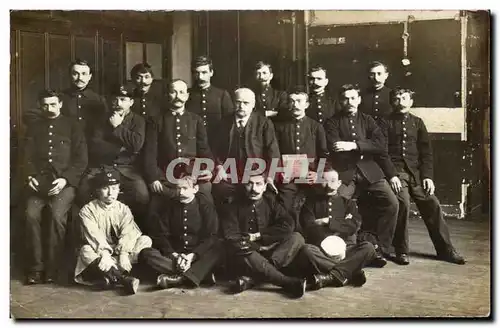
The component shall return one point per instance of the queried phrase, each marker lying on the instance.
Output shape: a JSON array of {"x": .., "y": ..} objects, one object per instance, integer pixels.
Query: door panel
[
  {"x": 59, "y": 60},
  {"x": 32, "y": 70}
]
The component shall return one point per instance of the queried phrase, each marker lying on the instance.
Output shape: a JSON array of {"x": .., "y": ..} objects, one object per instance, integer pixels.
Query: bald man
[
  {"x": 242, "y": 136},
  {"x": 176, "y": 133}
]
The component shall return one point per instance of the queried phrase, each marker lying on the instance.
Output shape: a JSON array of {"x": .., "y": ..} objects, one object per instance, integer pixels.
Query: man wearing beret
[
  {"x": 112, "y": 239},
  {"x": 330, "y": 223},
  {"x": 184, "y": 234},
  {"x": 116, "y": 141},
  {"x": 55, "y": 155},
  {"x": 259, "y": 233}
]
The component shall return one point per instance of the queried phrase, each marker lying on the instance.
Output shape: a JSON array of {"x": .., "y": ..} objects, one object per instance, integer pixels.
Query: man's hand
[
  {"x": 311, "y": 177},
  {"x": 33, "y": 183},
  {"x": 396, "y": 184},
  {"x": 156, "y": 186},
  {"x": 429, "y": 186},
  {"x": 322, "y": 221},
  {"x": 270, "y": 183},
  {"x": 205, "y": 175},
  {"x": 184, "y": 261},
  {"x": 106, "y": 262},
  {"x": 124, "y": 262},
  {"x": 271, "y": 113},
  {"x": 58, "y": 184},
  {"x": 254, "y": 236},
  {"x": 344, "y": 146},
  {"x": 116, "y": 119}
]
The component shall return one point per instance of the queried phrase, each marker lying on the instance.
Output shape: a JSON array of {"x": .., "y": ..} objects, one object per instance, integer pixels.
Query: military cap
[
  {"x": 121, "y": 91},
  {"x": 334, "y": 246},
  {"x": 106, "y": 178}
]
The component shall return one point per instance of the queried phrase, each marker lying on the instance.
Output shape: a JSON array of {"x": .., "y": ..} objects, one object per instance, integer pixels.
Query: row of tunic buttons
[
  {"x": 204, "y": 108},
  {"x": 264, "y": 101},
  {"x": 50, "y": 141},
  {"x": 376, "y": 109},
  {"x": 143, "y": 102},
  {"x": 404, "y": 136},
  {"x": 185, "y": 227},
  {"x": 178, "y": 136},
  {"x": 353, "y": 127},
  {"x": 297, "y": 140},
  {"x": 252, "y": 220},
  {"x": 79, "y": 107},
  {"x": 320, "y": 118},
  {"x": 329, "y": 210}
]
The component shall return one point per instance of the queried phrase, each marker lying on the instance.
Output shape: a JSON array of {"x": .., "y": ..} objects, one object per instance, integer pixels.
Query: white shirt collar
[{"x": 244, "y": 119}]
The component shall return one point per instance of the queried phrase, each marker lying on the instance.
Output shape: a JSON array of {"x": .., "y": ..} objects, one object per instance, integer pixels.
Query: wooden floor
[{"x": 425, "y": 288}]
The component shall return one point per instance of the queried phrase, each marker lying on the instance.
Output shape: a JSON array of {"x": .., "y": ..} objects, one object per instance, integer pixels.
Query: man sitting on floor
[
  {"x": 112, "y": 238},
  {"x": 184, "y": 232}
]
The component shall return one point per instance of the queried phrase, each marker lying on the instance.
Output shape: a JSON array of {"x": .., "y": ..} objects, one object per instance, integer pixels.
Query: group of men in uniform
[{"x": 113, "y": 160}]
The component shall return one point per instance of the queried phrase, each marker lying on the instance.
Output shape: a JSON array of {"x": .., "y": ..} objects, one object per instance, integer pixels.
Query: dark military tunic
[
  {"x": 147, "y": 104},
  {"x": 321, "y": 107},
  {"x": 343, "y": 215},
  {"x": 270, "y": 99},
  {"x": 186, "y": 228},
  {"x": 376, "y": 102},
  {"x": 171, "y": 136},
  {"x": 56, "y": 145}
]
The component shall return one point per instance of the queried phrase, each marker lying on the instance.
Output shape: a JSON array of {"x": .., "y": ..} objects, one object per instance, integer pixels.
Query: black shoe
[
  {"x": 209, "y": 280},
  {"x": 50, "y": 278},
  {"x": 378, "y": 262},
  {"x": 243, "y": 283},
  {"x": 402, "y": 259},
  {"x": 296, "y": 289},
  {"x": 358, "y": 279},
  {"x": 327, "y": 280},
  {"x": 34, "y": 278},
  {"x": 131, "y": 284},
  {"x": 165, "y": 281},
  {"x": 451, "y": 256}
]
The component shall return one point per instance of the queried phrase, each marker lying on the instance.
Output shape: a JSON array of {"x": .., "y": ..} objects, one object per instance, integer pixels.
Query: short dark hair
[
  {"x": 82, "y": 62},
  {"x": 347, "y": 87},
  {"x": 298, "y": 89},
  {"x": 48, "y": 93},
  {"x": 141, "y": 68},
  {"x": 399, "y": 91},
  {"x": 262, "y": 63},
  {"x": 202, "y": 61},
  {"x": 317, "y": 68},
  {"x": 377, "y": 64}
]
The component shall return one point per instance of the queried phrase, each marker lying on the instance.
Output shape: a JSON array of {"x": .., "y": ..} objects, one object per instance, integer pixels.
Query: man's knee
[
  {"x": 296, "y": 239},
  {"x": 33, "y": 212},
  {"x": 367, "y": 247},
  {"x": 86, "y": 250},
  {"x": 143, "y": 242}
]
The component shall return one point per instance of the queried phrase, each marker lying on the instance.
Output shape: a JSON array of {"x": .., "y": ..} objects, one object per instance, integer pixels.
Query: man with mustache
[
  {"x": 80, "y": 101},
  {"x": 243, "y": 136},
  {"x": 375, "y": 99},
  {"x": 116, "y": 141},
  {"x": 175, "y": 134},
  {"x": 411, "y": 152},
  {"x": 186, "y": 248},
  {"x": 300, "y": 134},
  {"x": 330, "y": 223},
  {"x": 260, "y": 238},
  {"x": 322, "y": 104},
  {"x": 112, "y": 239},
  {"x": 55, "y": 156},
  {"x": 358, "y": 151},
  {"x": 207, "y": 101},
  {"x": 147, "y": 103},
  {"x": 270, "y": 102}
]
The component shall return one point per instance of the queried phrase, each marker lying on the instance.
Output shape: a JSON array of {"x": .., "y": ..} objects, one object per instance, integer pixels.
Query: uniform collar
[
  {"x": 73, "y": 91},
  {"x": 178, "y": 112}
]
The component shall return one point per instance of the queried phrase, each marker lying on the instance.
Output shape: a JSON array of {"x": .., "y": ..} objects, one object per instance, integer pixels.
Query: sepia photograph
[{"x": 250, "y": 164}]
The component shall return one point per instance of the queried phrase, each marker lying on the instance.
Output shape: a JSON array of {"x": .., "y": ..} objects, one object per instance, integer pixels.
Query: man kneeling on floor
[
  {"x": 185, "y": 238},
  {"x": 260, "y": 234},
  {"x": 330, "y": 224},
  {"x": 113, "y": 240}
]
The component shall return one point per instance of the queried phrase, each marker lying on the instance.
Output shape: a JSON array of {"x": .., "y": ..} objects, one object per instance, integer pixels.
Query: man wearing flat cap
[
  {"x": 112, "y": 240},
  {"x": 55, "y": 155},
  {"x": 116, "y": 142},
  {"x": 186, "y": 248}
]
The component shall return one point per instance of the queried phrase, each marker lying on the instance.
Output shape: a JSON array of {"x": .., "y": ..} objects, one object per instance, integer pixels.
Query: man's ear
[{"x": 196, "y": 188}]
